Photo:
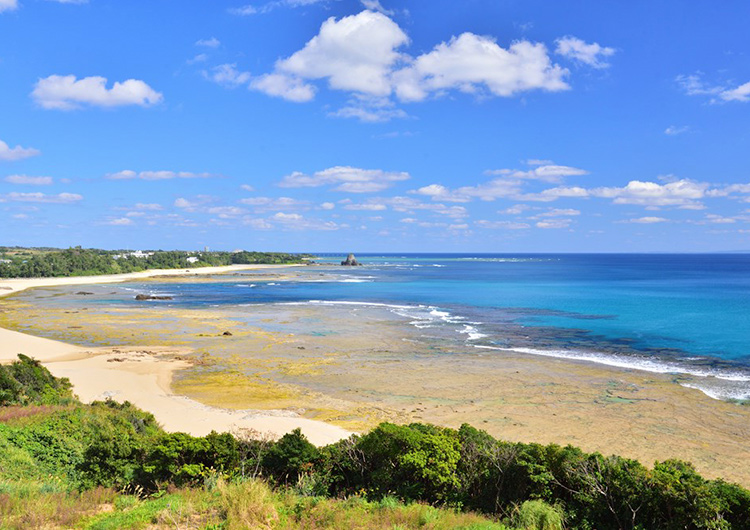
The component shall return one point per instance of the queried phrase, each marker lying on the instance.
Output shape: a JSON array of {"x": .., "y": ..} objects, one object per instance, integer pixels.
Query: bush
[
  {"x": 537, "y": 515},
  {"x": 26, "y": 382}
]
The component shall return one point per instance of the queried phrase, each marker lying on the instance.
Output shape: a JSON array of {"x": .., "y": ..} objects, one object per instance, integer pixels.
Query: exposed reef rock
[
  {"x": 151, "y": 297},
  {"x": 351, "y": 261}
]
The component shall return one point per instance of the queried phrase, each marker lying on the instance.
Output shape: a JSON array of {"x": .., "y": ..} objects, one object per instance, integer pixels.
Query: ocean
[{"x": 687, "y": 314}]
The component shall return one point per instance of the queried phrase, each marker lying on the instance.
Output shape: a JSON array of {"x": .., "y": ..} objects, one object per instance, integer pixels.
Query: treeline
[
  {"x": 87, "y": 262},
  {"x": 118, "y": 446}
]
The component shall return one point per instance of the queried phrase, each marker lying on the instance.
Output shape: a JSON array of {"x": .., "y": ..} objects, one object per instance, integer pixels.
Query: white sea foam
[{"x": 633, "y": 362}]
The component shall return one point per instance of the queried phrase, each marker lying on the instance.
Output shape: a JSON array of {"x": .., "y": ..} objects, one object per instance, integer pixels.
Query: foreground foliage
[{"x": 66, "y": 450}]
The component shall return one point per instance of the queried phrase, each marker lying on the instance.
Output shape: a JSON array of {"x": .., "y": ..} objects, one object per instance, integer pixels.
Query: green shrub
[{"x": 537, "y": 515}]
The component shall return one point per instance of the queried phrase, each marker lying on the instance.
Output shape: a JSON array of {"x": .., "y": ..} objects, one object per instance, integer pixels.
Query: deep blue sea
[{"x": 682, "y": 314}]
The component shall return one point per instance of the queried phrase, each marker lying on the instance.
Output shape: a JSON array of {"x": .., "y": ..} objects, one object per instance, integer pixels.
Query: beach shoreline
[
  {"x": 333, "y": 369},
  {"x": 143, "y": 376}
]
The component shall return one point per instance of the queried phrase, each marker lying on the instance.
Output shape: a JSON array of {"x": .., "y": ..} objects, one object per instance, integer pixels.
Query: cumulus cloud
[
  {"x": 361, "y": 54},
  {"x": 16, "y": 153},
  {"x": 65, "y": 92},
  {"x": 227, "y": 75},
  {"x": 8, "y": 5},
  {"x": 25, "y": 179},
  {"x": 475, "y": 64},
  {"x": 557, "y": 212},
  {"x": 128, "y": 174},
  {"x": 349, "y": 179},
  {"x": 60, "y": 198},
  {"x": 285, "y": 87},
  {"x": 681, "y": 193},
  {"x": 355, "y": 53},
  {"x": 578, "y": 50}
]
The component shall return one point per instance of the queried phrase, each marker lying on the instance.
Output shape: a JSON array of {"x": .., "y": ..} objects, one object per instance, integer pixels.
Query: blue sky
[{"x": 343, "y": 125}]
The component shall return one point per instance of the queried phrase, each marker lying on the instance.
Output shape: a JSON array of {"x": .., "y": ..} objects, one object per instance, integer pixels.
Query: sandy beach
[{"x": 144, "y": 376}]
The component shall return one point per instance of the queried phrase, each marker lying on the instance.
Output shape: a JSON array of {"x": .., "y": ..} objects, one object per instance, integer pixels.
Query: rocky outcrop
[
  {"x": 351, "y": 261},
  {"x": 152, "y": 297}
]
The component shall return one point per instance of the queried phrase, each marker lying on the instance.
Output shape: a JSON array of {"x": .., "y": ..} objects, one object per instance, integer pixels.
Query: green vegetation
[
  {"x": 43, "y": 263},
  {"x": 109, "y": 465}
]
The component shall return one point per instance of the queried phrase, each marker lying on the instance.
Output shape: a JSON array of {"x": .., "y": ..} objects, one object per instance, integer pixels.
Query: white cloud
[
  {"x": 213, "y": 42},
  {"x": 17, "y": 152},
  {"x": 518, "y": 209},
  {"x": 227, "y": 75},
  {"x": 508, "y": 185},
  {"x": 128, "y": 174},
  {"x": 366, "y": 207},
  {"x": 349, "y": 179},
  {"x": 266, "y": 204},
  {"x": 295, "y": 221},
  {"x": 648, "y": 220},
  {"x": 121, "y": 221},
  {"x": 489, "y": 191},
  {"x": 60, "y": 198},
  {"x": 327, "y": 206},
  {"x": 368, "y": 114},
  {"x": 68, "y": 93},
  {"x": 554, "y": 223},
  {"x": 70, "y": 1},
  {"x": 360, "y": 54},
  {"x": 548, "y": 172},
  {"x": 556, "y": 212},
  {"x": 198, "y": 203},
  {"x": 681, "y": 193},
  {"x": 674, "y": 130},
  {"x": 8, "y": 5},
  {"x": 25, "y": 179},
  {"x": 257, "y": 224},
  {"x": 410, "y": 205},
  {"x": 504, "y": 225},
  {"x": 740, "y": 93},
  {"x": 249, "y": 9},
  {"x": 693, "y": 85},
  {"x": 226, "y": 212},
  {"x": 148, "y": 206},
  {"x": 285, "y": 87},
  {"x": 355, "y": 53},
  {"x": 553, "y": 194},
  {"x": 247, "y": 187},
  {"x": 589, "y": 54},
  {"x": 473, "y": 64},
  {"x": 375, "y": 5}
]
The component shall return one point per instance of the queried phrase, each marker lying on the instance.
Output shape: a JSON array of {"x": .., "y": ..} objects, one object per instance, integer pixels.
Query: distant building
[
  {"x": 136, "y": 254},
  {"x": 192, "y": 259}
]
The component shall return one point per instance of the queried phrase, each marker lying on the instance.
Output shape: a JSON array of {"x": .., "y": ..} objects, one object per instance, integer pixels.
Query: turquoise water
[{"x": 682, "y": 314}]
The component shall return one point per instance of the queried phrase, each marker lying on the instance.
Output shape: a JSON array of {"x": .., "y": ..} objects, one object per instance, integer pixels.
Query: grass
[{"x": 225, "y": 506}]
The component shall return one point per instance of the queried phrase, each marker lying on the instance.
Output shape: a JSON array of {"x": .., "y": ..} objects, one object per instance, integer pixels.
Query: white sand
[{"x": 143, "y": 376}]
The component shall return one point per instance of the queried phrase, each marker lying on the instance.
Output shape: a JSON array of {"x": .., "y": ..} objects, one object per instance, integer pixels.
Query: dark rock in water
[
  {"x": 350, "y": 261},
  {"x": 227, "y": 333},
  {"x": 151, "y": 297},
  {"x": 83, "y": 293}
]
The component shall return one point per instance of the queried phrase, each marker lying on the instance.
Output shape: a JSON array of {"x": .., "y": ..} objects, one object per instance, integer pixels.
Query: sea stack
[{"x": 350, "y": 261}]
